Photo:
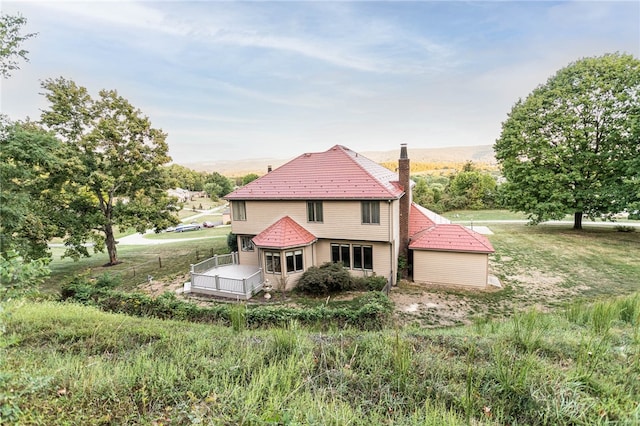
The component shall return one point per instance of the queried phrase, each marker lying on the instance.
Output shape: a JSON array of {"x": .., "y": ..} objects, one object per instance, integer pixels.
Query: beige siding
[
  {"x": 450, "y": 268},
  {"x": 287, "y": 279},
  {"x": 248, "y": 257},
  {"x": 341, "y": 219},
  {"x": 384, "y": 257}
]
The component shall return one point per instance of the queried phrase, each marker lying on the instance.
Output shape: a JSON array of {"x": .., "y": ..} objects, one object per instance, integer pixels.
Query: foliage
[
  {"x": 183, "y": 177},
  {"x": 368, "y": 283},
  {"x": 327, "y": 278},
  {"x": 89, "y": 367},
  {"x": 32, "y": 199},
  {"x": 224, "y": 184},
  {"x": 571, "y": 147},
  {"x": 11, "y": 39},
  {"x": 475, "y": 188},
  {"x": 232, "y": 242},
  {"x": 469, "y": 188},
  {"x": 19, "y": 276},
  {"x": 120, "y": 181},
  {"x": 249, "y": 178},
  {"x": 371, "y": 311}
]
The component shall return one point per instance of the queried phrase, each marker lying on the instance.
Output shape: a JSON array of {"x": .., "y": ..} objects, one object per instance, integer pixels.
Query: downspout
[{"x": 390, "y": 239}]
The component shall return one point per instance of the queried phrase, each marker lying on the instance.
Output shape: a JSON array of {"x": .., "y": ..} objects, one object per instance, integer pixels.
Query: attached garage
[{"x": 451, "y": 255}]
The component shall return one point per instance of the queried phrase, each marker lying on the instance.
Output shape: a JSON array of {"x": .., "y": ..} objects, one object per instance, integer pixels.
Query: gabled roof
[
  {"x": 285, "y": 233},
  {"x": 421, "y": 218},
  {"x": 337, "y": 173},
  {"x": 451, "y": 237}
]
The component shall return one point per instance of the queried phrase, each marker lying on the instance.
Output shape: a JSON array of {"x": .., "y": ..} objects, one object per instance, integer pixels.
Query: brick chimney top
[{"x": 403, "y": 151}]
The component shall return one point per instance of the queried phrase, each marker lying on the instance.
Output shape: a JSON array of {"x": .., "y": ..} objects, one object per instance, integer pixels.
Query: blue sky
[{"x": 235, "y": 80}]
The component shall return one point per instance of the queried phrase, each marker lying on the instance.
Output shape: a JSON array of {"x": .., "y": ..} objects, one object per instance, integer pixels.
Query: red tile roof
[
  {"x": 421, "y": 218},
  {"x": 285, "y": 233},
  {"x": 337, "y": 173},
  {"x": 451, "y": 238}
]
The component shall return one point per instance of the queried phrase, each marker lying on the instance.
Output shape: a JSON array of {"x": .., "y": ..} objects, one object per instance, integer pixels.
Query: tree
[
  {"x": 34, "y": 169},
  {"x": 121, "y": 181},
  {"x": 19, "y": 277},
  {"x": 11, "y": 40},
  {"x": 475, "y": 188},
  {"x": 225, "y": 184},
  {"x": 249, "y": 178},
  {"x": 570, "y": 146}
]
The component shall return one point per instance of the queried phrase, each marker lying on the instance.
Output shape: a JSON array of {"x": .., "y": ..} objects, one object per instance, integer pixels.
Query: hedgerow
[{"x": 368, "y": 312}]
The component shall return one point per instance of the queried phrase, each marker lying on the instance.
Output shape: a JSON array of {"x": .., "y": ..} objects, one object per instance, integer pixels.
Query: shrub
[
  {"x": 369, "y": 283},
  {"x": 326, "y": 278},
  {"x": 107, "y": 280},
  {"x": 232, "y": 242}
]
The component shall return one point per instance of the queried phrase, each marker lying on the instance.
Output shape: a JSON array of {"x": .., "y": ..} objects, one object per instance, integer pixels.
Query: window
[
  {"x": 294, "y": 261},
  {"x": 246, "y": 244},
  {"x": 239, "y": 210},
  {"x": 272, "y": 262},
  {"x": 370, "y": 212},
  {"x": 341, "y": 253},
  {"x": 314, "y": 211},
  {"x": 362, "y": 257}
]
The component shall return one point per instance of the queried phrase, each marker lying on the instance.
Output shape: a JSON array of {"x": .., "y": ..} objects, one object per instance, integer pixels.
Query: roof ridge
[{"x": 346, "y": 151}]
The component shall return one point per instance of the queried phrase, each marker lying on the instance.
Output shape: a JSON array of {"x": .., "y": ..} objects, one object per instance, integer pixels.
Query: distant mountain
[{"x": 477, "y": 154}]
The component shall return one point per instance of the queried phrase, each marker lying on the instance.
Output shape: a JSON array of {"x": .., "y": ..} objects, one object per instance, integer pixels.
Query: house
[{"x": 338, "y": 206}]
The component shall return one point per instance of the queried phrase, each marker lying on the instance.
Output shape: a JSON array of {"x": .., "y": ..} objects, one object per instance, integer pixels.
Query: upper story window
[
  {"x": 314, "y": 211},
  {"x": 239, "y": 210},
  {"x": 371, "y": 212}
]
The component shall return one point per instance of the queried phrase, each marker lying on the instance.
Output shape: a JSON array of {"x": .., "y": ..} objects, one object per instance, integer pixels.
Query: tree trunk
[
  {"x": 111, "y": 245},
  {"x": 577, "y": 220}
]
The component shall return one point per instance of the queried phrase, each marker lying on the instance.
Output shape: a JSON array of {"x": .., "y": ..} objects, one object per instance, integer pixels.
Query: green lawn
[
  {"x": 162, "y": 261},
  {"x": 468, "y": 215}
]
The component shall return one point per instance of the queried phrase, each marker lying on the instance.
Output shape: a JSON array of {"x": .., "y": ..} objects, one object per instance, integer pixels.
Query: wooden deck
[{"x": 222, "y": 276}]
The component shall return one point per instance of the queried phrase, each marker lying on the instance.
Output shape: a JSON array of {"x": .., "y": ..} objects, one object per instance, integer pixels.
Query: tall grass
[{"x": 66, "y": 364}]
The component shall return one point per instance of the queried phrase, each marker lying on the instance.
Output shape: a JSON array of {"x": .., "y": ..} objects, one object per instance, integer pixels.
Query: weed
[
  {"x": 528, "y": 329},
  {"x": 238, "y": 317}
]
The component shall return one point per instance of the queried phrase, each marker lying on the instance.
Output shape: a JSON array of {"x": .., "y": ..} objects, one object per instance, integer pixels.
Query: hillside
[
  {"x": 67, "y": 364},
  {"x": 477, "y": 154}
]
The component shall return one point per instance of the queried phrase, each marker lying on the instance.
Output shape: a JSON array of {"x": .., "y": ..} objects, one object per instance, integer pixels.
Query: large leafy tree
[
  {"x": 571, "y": 147},
  {"x": 34, "y": 170},
  {"x": 121, "y": 181}
]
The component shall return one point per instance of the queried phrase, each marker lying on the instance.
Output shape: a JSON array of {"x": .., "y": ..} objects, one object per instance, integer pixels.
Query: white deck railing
[
  {"x": 215, "y": 261},
  {"x": 204, "y": 280},
  {"x": 222, "y": 286}
]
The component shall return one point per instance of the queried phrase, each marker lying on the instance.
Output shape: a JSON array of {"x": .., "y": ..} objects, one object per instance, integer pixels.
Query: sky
[{"x": 247, "y": 80}]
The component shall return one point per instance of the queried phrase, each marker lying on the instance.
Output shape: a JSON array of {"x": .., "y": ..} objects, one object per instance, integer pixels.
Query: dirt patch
[
  {"x": 156, "y": 288},
  {"x": 429, "y": 308}
]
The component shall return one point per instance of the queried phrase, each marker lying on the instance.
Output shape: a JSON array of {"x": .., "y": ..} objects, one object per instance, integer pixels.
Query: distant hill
[{"x": 477, "y": 154}]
